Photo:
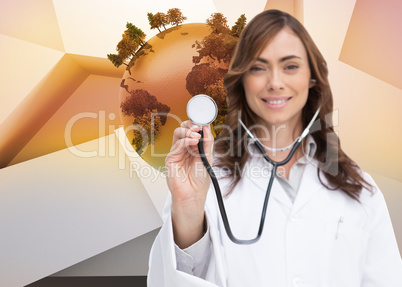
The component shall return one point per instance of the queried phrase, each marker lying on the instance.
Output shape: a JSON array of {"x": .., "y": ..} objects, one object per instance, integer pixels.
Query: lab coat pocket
[
  {"x": 346, "y": 234},
  {"x": 346, "y": 243}
]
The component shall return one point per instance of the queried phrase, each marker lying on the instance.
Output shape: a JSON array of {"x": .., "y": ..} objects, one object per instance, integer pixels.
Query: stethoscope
[{"x": 202, "y": 110}]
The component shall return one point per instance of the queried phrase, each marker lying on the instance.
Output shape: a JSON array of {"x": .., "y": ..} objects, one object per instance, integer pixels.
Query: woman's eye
[
  {"x": 291, "y": 67},
  {"x": 256, "y": 69}
]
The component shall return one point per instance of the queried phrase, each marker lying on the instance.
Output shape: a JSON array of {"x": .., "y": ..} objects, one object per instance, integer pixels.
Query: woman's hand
[{"x": 188, "y": 182}]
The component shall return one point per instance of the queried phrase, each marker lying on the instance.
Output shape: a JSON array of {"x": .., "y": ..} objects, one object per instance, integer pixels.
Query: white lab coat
[{"x": 323, "y": 239}]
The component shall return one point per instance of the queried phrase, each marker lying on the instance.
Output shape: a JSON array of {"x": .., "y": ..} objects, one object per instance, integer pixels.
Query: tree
[
  {"x": 175, "y": 16},
  {"x": 159, "y": 20},
  {"x": 230, "y": 47},
  {"x": 127, "y": 46},
  {"x": 218, "y": 23},
  {"x": 217, "y": 92},
  {"x": 132, "y": 39},
  {"x": 149, "y": 115},
  {"x": 217, "y": 46},
  {"x": 151, "y": 20},
  {"x": 139, "y": 101},
  {"x": 146, "y": 129},
  {"x": 202, "y": 76},
  {"x": 135, "y": 33},
  {"x": 116, "y": 60},
  {"x": 239, "y": 26}
]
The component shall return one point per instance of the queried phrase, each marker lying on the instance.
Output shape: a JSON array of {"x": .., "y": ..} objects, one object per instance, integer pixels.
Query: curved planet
[{"x": 160, "y": 72}]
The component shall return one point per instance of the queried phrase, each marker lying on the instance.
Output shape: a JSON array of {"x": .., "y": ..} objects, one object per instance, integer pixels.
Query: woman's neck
[{"x": 279, "y": 136}]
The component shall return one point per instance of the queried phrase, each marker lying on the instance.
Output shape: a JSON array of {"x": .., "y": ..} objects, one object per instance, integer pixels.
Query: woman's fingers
[
  {"x": 185, "y": 140},
  {"x": 183, "y": 144},
  {"x": 182, "y": 148},
  {"x": 181, "y": 133},
  {"x": 186, "y": 130}
]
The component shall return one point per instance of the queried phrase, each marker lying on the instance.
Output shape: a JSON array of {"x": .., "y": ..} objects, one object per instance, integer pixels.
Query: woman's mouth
[{"x": 277, "y": 102}]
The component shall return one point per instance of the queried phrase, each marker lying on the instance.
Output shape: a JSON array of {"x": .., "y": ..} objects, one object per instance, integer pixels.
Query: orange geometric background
[{"x": 58, "y": 209}]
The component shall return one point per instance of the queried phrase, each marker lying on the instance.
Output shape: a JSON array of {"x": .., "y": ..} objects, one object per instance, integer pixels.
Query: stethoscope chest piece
[{"x": 202, "y": 110}]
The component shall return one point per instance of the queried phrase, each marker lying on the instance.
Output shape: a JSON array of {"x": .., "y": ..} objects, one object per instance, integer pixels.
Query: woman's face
[{"x": 277, "y": 84}]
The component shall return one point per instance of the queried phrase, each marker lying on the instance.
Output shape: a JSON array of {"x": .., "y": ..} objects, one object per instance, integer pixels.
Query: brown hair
[{"x": 339, "y": 170}]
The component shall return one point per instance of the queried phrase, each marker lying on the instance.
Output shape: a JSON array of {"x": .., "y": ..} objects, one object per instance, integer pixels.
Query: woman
[{"x": 327, "y": 223}]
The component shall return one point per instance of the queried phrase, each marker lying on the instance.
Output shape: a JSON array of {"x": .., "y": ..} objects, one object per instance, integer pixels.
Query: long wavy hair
[{"x": 338, "y": 169}]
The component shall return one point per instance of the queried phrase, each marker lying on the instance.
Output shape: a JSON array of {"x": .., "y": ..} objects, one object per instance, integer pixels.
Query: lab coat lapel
[
  {"x": 279, "y": 194},
  {"x": 309, "y": 186},
  {"x": 261, "y": 182}
]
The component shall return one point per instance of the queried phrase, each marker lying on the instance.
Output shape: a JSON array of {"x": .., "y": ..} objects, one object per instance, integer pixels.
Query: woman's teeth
[{"x": 275, "y": 102}]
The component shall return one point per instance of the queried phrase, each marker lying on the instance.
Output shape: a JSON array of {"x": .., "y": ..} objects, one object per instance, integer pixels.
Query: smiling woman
[
  {"x": 276, "y": 86},
  {"x": 327, "y": 222}
]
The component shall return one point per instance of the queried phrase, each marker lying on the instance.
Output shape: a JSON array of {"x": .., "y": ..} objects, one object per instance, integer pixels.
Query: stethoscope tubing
[{"x": 218, "y": 192}]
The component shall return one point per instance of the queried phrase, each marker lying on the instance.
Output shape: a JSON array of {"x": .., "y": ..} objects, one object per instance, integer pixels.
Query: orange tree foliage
[
  {"x": 220, "y": 44},
  {"x": 175, "y": 16},
  {"x": 127, "y": 46},
  {"x": 159, "y": 20},
  {"x": 217, "y": 46},
  {"x": 201, "y": 76},
  {"x": 148, "y": 113},
  {"x": 139, "y": 101},
  {"x": 218, "y": 93},
  {"x": 218, "y": 23},
  {"x": 146, "y": 127},
  {"x": 132, "y": 39}
]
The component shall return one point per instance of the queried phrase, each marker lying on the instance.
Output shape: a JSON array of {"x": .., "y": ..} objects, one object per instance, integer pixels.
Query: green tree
[
  {"x": 175, "y": 16},
  {"x": 151, "y": 20},
  {"x": 116, "y": 60},
  {"x": 159, "y": 20},
  {"x": 239, "y": 26},
  {"x": 135, "y": 33},
  {"x": 218, "y": 23}
]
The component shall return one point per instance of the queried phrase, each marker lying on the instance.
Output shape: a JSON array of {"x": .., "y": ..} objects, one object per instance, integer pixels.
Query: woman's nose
[{"x": 274, "y": 81}]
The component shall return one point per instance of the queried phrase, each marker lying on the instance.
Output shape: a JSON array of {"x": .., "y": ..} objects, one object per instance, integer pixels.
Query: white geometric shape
[
  {"x": 153, "y": 180},
  {"x": 128, "y": 259},
  {"x": 60, "y": 209}
]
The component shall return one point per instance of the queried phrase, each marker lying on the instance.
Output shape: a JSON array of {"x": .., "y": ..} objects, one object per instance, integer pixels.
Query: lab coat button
[
  {"x": 295, "y": 217},
  {"x": 297, "y": 282}
]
